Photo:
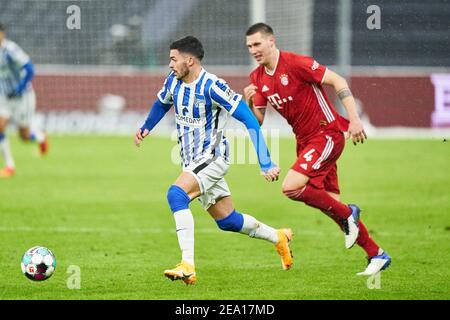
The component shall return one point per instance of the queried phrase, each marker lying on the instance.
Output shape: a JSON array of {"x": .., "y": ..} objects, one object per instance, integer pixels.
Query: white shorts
[
  {"x": 20, "y": 109},
  {"x": 210, "y": 174}
]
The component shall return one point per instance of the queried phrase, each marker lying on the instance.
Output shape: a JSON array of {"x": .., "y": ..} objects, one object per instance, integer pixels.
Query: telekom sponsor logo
[{"x": 276, "y": 101}]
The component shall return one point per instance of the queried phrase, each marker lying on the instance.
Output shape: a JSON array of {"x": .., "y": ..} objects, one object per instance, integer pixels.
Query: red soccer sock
[
  {"x": 364, "y": 240},
  {"x": 320, "y": 199}
]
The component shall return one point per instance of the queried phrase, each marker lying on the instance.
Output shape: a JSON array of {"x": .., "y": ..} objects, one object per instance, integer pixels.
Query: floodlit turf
[{"x": 100, "y": 203}]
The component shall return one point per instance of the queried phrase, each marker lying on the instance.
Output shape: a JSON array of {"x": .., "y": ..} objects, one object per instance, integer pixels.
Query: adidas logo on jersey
[
  {"x": 304, "y": 166},
  {"x": 265, "y": 88},
  {"x": 315, "y": 65}
]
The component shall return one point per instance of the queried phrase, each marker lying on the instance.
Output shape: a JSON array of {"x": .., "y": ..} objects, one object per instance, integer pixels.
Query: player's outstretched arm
[
  {"x": 156, "y": 113},
  {"x": 355, "y": 129},
  {"x": 269, "y": 170}
]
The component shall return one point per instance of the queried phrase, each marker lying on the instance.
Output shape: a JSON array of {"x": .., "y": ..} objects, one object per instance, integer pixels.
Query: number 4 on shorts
[{"x": 308, "y": 156}]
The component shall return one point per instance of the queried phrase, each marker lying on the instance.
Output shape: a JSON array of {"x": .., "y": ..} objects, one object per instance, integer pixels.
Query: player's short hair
[
  {"x": 2, "y": 27},
  {"x": 259, "y": 27},
  {"x": 189, "y": 45}
]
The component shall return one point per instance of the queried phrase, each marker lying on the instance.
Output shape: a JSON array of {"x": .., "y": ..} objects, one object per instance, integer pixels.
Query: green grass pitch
[{"x": 100, "y": 203}]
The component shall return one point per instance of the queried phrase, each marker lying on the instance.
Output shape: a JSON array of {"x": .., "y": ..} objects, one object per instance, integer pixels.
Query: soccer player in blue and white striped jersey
[
  {"x": 202, "y": 104},
  {"x": 17, "y": 100}
]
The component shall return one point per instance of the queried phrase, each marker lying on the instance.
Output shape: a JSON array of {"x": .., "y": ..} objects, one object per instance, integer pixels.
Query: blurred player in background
[
  {"x": 203, "y": 103},
  {"x": 292, "y": 85},
  {"x": 17, "y": 100}
]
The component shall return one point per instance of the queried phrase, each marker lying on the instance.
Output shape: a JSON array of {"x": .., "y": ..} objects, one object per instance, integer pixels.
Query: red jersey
[{"x": 295, "y": 91}]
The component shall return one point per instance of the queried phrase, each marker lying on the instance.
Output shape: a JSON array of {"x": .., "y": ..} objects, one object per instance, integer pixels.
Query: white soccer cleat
[
  {"x": 376, "y": 264},
  {"x": 351, "y": 228}
]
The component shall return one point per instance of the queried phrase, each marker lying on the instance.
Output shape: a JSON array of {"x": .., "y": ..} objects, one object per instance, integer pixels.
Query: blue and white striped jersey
[
  {"x": 12, "y": 59},
  {"x": 202, "y": 109}
]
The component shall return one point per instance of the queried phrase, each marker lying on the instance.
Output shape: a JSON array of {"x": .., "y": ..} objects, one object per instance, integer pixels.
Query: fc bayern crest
[{"x": 284, "y": 79}]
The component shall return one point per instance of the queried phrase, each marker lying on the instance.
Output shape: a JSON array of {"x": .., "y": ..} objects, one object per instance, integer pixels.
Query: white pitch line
[{"x": 63, "y": 229}]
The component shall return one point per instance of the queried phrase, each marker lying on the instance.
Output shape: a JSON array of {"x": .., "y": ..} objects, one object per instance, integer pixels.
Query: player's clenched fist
[
  {"x": 139, "y": 136},
  {"x": 249, "y": 92}
]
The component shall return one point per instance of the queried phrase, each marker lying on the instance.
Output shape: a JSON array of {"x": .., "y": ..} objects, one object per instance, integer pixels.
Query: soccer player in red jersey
[{"x": 292, "y": 85}]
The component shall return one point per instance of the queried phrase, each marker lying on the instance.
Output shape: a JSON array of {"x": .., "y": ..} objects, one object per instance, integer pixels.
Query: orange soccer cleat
[
  {"x": 282, "y": 246},
  {"x": 44, "y": 146},
  {"x": 7, "y": 172},
  {"x": 183, "y": 271}
]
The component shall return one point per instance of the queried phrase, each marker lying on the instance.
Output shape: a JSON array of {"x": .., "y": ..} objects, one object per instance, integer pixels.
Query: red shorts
[{"x": 316, "y": 158}]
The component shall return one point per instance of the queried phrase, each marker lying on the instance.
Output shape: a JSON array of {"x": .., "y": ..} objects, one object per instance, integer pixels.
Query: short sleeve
[
  {"x": 221, "y": 93},
  {"x": 309, "y": 69},
  {"x": 164, "y": 95},
  {"x": 259, "y": 101}
]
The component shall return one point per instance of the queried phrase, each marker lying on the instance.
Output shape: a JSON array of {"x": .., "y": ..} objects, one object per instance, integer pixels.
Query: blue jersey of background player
[
  {"x": 17, "y": 100},
  {"x": 202, "y": 104}
]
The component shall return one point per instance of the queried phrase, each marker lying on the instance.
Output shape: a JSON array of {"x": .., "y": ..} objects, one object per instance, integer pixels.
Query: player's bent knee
[
  {"x": 289, "y": 187},
  {"x": 294, "y": 180},
  {"x": 292, "y": 185},
  {"x": 233, "y": 222},
  {"x": 286, "y": 188},
  {"x": 177, "y": 198},
  {"x": 295, "y": 194}
]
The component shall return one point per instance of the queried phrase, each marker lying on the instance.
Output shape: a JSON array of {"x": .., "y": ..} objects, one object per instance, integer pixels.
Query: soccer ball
[{"x": 38, "y": 263}]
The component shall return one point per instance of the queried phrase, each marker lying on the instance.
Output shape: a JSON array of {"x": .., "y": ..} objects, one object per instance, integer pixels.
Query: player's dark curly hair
[
  {"x": 259, "y": 27},
  {"x": 189, "y": 45}
]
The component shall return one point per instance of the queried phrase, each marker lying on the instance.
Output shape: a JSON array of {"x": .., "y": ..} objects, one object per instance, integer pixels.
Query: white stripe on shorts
[{"x": 325, "y": 154}]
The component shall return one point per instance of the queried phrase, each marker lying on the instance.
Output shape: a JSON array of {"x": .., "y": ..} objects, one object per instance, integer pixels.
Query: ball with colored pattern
[{"x": 38, "y": 263}]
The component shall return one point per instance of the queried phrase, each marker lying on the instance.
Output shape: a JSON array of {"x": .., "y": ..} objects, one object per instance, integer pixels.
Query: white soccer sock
[
  {"x": 184, "y": 222},
  {"x": 259, "y": 230},
  {"x": 5, "y": 150}
]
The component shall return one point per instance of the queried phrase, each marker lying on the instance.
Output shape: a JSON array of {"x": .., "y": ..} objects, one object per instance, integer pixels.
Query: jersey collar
[
  {"x": 193, "y": 83},
  {"x": 276, "y": 65}
]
